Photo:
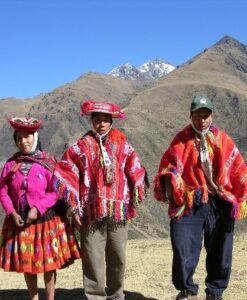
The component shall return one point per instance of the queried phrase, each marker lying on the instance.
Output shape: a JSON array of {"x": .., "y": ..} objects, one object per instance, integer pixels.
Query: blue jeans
[{"x": 213, "y": 222}]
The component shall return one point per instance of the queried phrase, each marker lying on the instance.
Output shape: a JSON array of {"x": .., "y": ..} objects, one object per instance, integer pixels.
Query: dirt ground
[{"x": 148, "y": 275}]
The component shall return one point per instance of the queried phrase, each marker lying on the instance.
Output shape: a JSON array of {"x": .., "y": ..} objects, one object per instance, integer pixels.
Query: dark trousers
[{"x": 211, "y": 221}]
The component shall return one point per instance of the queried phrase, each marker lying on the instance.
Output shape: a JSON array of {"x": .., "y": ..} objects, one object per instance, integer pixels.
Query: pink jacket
[{"x": 39, "y": 191}]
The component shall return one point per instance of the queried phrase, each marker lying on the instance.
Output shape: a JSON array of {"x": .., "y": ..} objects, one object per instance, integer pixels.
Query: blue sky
[{"x": 47, "y": 43}]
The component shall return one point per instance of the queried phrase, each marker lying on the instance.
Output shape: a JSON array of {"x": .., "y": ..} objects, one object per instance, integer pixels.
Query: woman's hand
[
  {"x": 32, "y": 215},
  {"x": 19, "y": 222}
]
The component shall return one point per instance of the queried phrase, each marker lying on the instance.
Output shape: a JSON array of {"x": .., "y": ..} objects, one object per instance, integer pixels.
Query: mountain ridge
[{"x": 156, "y": 110}]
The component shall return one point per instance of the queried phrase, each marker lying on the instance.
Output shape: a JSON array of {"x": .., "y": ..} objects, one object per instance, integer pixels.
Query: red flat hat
[
  {"x": 89, "y": 107},
  {"x": 25, "y": 124}
]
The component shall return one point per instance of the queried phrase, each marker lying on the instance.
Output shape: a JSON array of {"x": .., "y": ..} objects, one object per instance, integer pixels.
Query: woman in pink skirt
[{"x": 35, "y": 236}]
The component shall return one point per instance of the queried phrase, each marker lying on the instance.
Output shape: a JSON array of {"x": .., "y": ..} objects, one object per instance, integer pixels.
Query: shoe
[
  {"x": 214, "y": 297},
  {"x": 184, "y": 295}
]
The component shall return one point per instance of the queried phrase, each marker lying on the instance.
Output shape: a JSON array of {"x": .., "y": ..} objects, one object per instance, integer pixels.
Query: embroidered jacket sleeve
[
  {"x": 231, "y": 175},
  {"x": 68, "y": 172},
  {"x": 5, "y": 197},
  {"x": 171, "y": 169},
  {"x": 136, "y": 174}
]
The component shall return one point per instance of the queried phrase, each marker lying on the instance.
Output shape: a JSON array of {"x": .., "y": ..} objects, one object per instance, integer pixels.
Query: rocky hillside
[{"x": 156, "y": 110}]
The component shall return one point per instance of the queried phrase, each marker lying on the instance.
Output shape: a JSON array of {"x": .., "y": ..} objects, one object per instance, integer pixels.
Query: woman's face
[
  {"x": 101, "y": 122},
  {"x": 202, "y": 118},
  {"x": 24, "y": 141}
]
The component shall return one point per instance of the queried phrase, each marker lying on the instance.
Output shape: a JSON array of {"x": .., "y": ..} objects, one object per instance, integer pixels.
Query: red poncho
[
  {"x": 182, "y": 165},
  {"x": 82, "y": 180}
]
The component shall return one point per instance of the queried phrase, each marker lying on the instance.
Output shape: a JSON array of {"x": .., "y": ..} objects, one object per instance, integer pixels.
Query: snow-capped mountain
[
  {"x": 152, "y": 69},
  {"x": 127, "y": 71}
]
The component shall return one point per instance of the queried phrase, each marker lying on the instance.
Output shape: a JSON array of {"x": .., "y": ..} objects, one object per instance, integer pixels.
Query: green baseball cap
[{"x": 201, "y": 102}]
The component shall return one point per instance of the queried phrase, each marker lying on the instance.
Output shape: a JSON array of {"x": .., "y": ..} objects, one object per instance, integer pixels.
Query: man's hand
[
  {"x": 77, "y": 220},
  {"x": 168, "y": 188},
  {"x": 73, "y": 214}
]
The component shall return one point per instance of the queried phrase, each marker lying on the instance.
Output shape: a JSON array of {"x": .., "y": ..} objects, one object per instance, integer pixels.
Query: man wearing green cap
[{"x": 203, "y": 177}]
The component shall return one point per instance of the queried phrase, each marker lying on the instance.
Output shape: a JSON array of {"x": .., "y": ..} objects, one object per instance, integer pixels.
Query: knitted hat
[
  {"x": 89, "y": 107},
  {"x": 25, "y": 124},
  {"x": 201, "y": 102}
]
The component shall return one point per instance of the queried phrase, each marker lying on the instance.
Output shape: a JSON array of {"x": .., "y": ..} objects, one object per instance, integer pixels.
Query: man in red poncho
[
  {"x": 103, "y": 182},
  {"x": 203, "y": 177}
]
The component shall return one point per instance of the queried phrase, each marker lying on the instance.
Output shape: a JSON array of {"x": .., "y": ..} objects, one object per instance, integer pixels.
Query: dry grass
[{"x": 148, "y": 274}]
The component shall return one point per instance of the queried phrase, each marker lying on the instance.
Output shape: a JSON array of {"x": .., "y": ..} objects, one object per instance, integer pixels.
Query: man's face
[
  {"x": 202, "y": 118},
  {"x": 101, "y": 122}
]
